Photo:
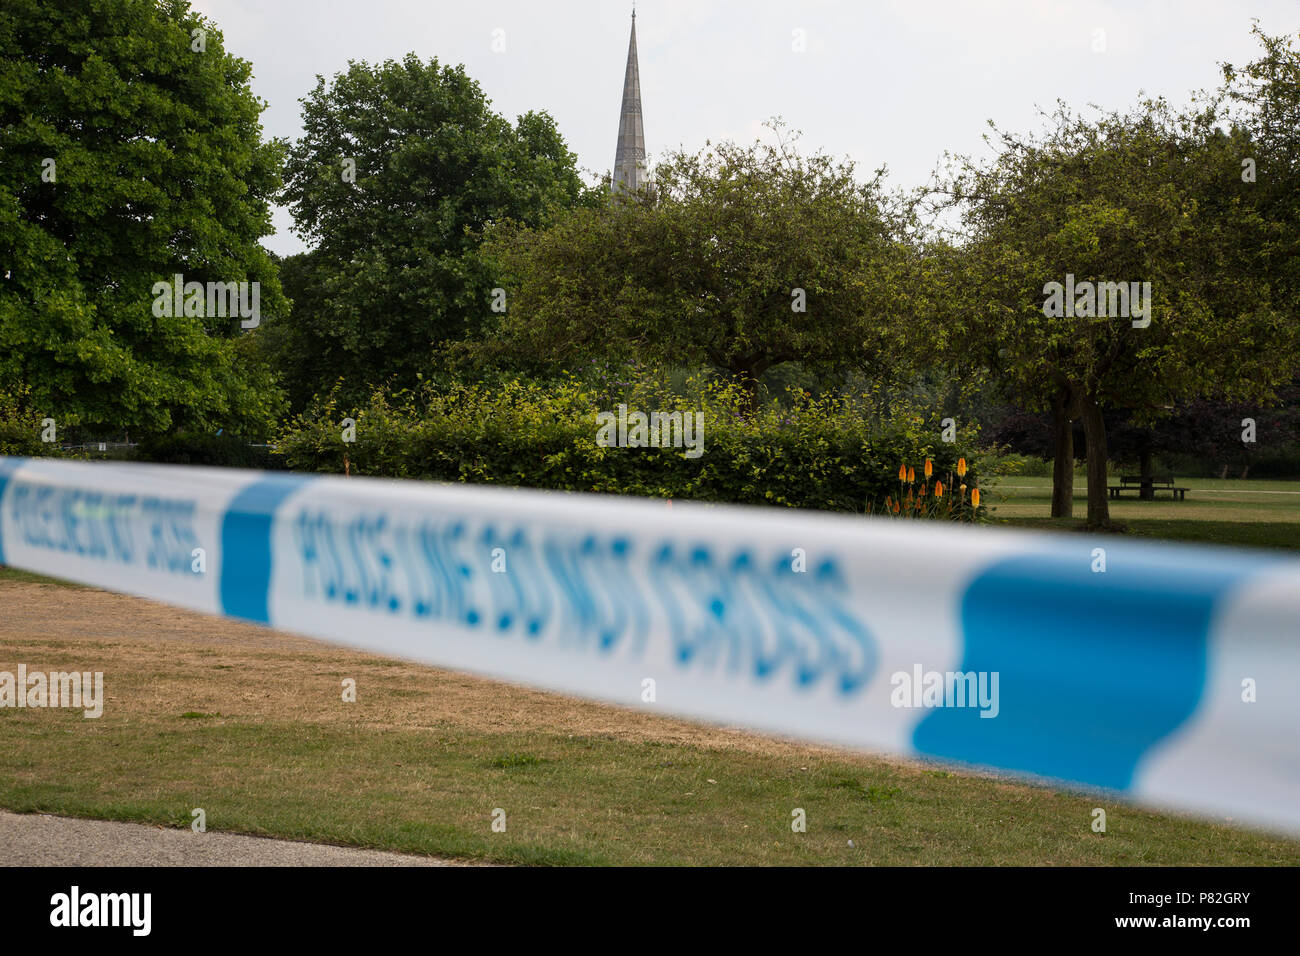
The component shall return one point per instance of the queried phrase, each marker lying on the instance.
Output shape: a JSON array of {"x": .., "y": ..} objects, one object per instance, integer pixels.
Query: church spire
[{"x": 629, "y": 158}]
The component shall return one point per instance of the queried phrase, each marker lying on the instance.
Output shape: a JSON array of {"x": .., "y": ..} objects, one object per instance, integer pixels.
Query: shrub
[{"x": 20, "y": 426}]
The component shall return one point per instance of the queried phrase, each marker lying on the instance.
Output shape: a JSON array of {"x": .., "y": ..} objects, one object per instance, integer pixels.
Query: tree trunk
[
  {"x": 1094, "y": 431},
  {"x": 1148, "y": 489},
  {"x": 1062, "y": 456}
]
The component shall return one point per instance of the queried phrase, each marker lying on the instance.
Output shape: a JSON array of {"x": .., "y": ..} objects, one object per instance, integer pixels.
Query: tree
[
  {"x": 303, "y": 347},
  {"x": 130, "y": 151},
  {"x": 740, "y": 257},
  {"x": 400, "y": 168},
  {"x": 1140, "y": 197},
  {"x": 1261, "y": 101}
]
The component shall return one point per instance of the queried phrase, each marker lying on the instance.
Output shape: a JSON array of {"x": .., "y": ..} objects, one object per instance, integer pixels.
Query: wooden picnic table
[{"x": 1147, "y": 487}]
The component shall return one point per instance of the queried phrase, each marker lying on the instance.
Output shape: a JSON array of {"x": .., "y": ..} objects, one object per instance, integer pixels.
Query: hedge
[{"x": 817, "y": 453}]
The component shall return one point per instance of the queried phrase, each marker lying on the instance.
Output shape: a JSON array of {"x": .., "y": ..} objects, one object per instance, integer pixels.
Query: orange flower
[
  {"x": 902, "y": 473},
  {"x": 895, "y": 507},
  {"x": 938, "y": 489},
  {"x": 963, "y": 491},
  {"x": 961, "y": 467},
  {"x": 929, "y": 468},
  {"x": 975, "y": 497},
  {"x": 911, "y": 475},
  {"x": 921, "y": 493}
]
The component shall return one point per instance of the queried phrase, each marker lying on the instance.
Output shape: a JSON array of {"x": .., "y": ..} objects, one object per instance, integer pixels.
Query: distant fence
[
  {"x": 102, "y": 446},
  {"x": 1164, "y": 674}
]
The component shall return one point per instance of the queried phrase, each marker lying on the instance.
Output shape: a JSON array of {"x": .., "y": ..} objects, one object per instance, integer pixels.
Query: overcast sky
[{"x": 892, "y": 82}]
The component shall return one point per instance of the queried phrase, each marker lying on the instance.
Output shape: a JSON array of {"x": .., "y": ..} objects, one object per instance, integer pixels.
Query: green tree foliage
[
  {"x": 1262, "y": 102},
  {"x": 740, "y": 258},
  {"x": 1144, "y": 196},
  {"x": 128, "y": 156},
  {"x": 400, "y": 167},
  {"x": 303, "y": 347}
]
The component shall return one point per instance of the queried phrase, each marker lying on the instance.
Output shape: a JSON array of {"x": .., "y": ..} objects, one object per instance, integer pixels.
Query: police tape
[{"x": 1167, "y": 675}]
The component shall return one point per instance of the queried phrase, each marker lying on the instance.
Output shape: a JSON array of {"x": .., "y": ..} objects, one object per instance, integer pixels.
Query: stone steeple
[{"x": 629, "y": 158}]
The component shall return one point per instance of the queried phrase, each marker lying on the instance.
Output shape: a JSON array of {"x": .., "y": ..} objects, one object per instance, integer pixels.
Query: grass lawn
[{"x": 1263, "y": 514}]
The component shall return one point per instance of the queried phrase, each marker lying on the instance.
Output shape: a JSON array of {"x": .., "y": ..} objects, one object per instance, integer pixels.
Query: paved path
[{"x": 34, "y": 839}]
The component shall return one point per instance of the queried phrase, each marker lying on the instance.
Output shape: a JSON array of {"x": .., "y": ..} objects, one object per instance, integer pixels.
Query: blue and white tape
[{"x": 1172, "y": 677}]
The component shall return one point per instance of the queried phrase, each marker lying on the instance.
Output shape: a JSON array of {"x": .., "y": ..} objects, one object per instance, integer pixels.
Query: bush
[
  {"x": 20, "y": 426},
  {"x": 1004, "y": 462},
  {"x": 21, "y": 438},
  {"x": 811, "y": 453}
]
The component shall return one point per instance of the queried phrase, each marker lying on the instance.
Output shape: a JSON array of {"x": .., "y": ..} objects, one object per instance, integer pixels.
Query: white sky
[{"x": 893, "y": 82}]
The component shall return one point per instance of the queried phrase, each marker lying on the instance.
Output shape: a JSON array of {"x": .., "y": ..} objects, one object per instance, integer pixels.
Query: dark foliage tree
[
  {"x": 400, "y": 168},
  {"x": 130, "y": 151}
]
